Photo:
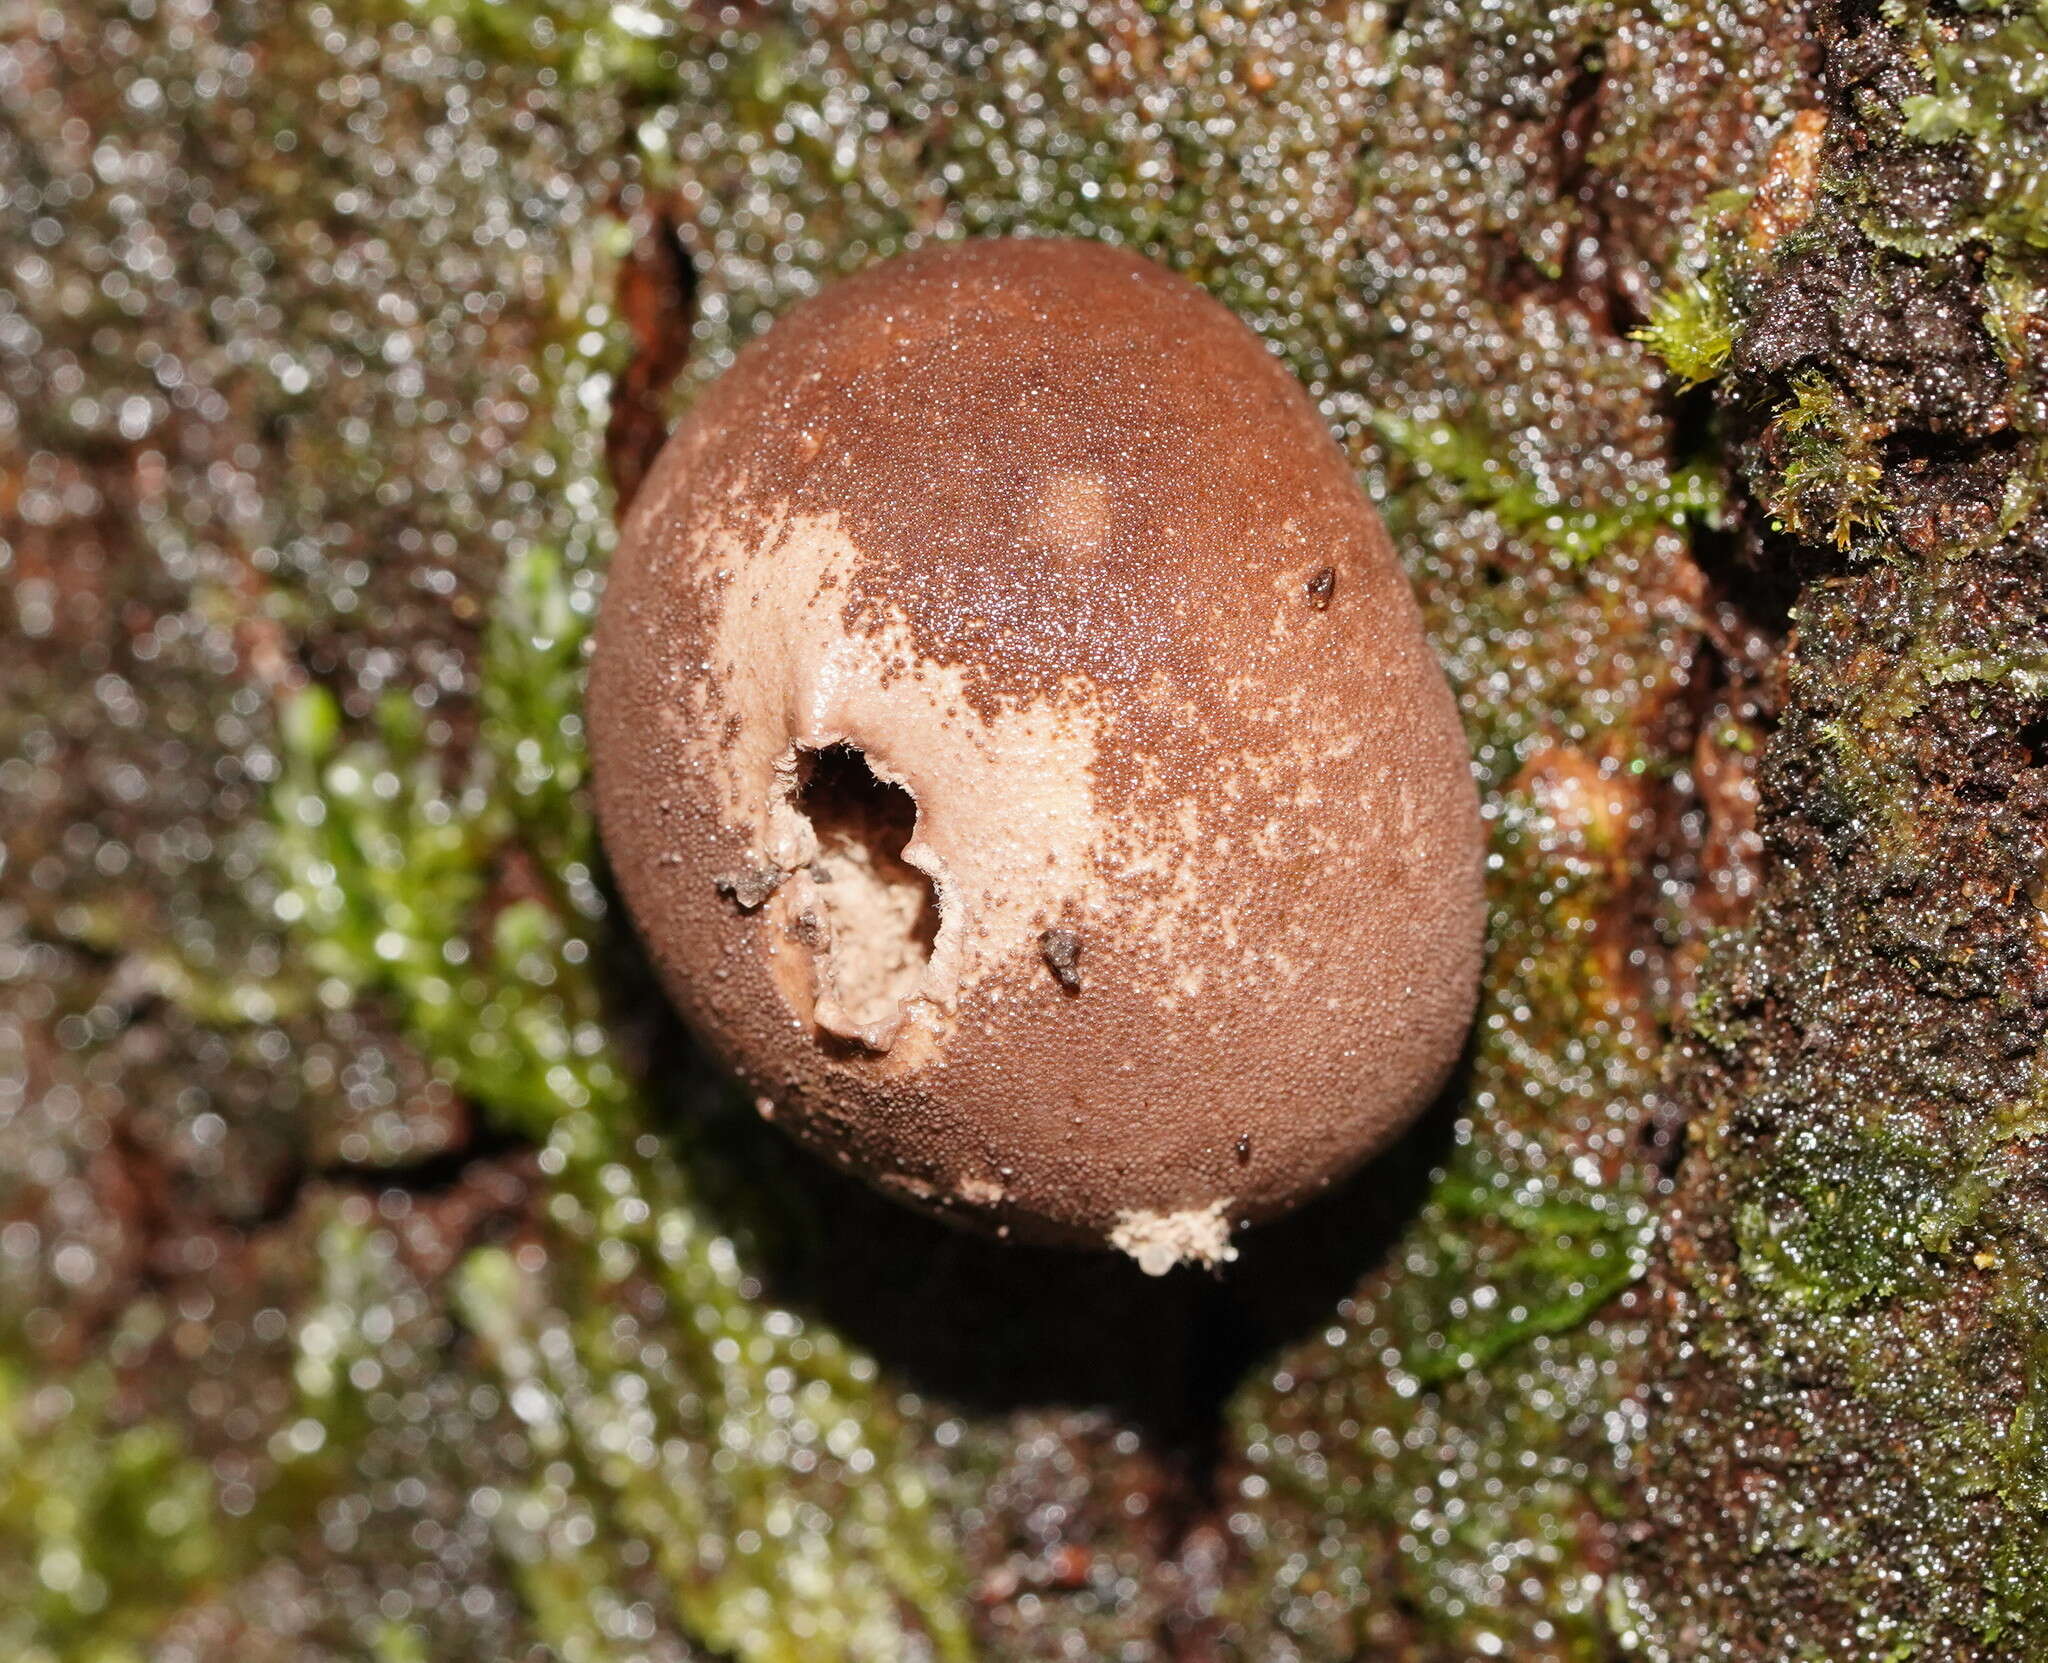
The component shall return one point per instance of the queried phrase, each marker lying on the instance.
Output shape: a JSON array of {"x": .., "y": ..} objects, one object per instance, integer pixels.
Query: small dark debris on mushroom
[
  {"x": 747, "y": 889},
  {"x": 1244, "y": 1150},
  {"x": 1062, "y": 953},
  {"x": 1321, "y": 586}
]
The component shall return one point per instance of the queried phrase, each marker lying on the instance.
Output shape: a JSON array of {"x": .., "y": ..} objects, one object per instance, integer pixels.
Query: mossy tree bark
[
  {"x": 381, "y": 1275},
  {"x": 1844, "y": 1453}
]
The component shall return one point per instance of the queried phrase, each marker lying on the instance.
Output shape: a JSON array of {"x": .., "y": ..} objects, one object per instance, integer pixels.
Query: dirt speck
[
  {"x": 748, "y": 888},
  {"x": 1061, "y": 950}
]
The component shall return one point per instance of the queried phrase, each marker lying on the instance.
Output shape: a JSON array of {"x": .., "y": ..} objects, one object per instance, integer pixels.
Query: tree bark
[{"x": 382, "y": 1274}]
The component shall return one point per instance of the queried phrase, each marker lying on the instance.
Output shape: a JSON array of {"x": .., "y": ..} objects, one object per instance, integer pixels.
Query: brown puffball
[{"x": 1020, "y": 750}]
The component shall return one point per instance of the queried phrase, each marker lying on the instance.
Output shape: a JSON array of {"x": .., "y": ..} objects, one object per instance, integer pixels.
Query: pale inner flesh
[{"x": 881, "y": 912}]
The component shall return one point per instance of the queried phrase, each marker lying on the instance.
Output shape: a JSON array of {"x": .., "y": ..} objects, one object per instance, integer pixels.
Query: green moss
[
  {"x": 584, "y": 42},
  {"x": 1829, "y": 481},
  {"x": 1990, "y": 80},
  {"x": 1571, "y": 1259},
  {"x": 1856, "y": 1222},
  {"x": 1692, "y": 328},
  {"x": 384, "y": 861},
  {"x": 1851, "y": 1376},
  {"x": 1398, "y": 199},
  {"x": 1469, "y": 462},
  {"x": 107, "y": 1527}
]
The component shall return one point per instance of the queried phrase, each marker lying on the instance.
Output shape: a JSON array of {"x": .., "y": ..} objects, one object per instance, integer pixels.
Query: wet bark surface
[{"x": 382, "y": 1274}]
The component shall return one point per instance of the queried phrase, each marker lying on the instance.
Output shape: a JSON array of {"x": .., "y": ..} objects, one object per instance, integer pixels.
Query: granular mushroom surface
[{"x": 1019, "y": 747}]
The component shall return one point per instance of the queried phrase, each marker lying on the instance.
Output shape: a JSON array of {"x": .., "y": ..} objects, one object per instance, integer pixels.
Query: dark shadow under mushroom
[{"x": 998, "y": 1327}]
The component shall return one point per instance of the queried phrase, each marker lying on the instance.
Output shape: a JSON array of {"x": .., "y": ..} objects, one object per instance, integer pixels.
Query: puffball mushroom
[{"x": 1020, "y": 750}]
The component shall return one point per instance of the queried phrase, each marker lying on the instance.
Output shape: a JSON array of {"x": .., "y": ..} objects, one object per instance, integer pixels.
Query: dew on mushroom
[{"x": 1191, "y": 865}]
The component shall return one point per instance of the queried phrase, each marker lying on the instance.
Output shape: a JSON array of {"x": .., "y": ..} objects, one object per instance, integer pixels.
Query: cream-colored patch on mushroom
[
  {"x": 1277, "y": 839},
  {"x": 1159, "y": 858},
  {"x": 1007, "y": 830},
  {"x": 1173, "y": 852},
  {"x": 979, "y": 1192},
  {"x": 1159, "y": 1241},
  {"x": 665, "y": 487},
  {"x": 903, "y": 1182},
  {"x": 1006, "y": 826},
  {"x": 1072, "y": 512},
  {"x": 1392, "y": 796}
]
